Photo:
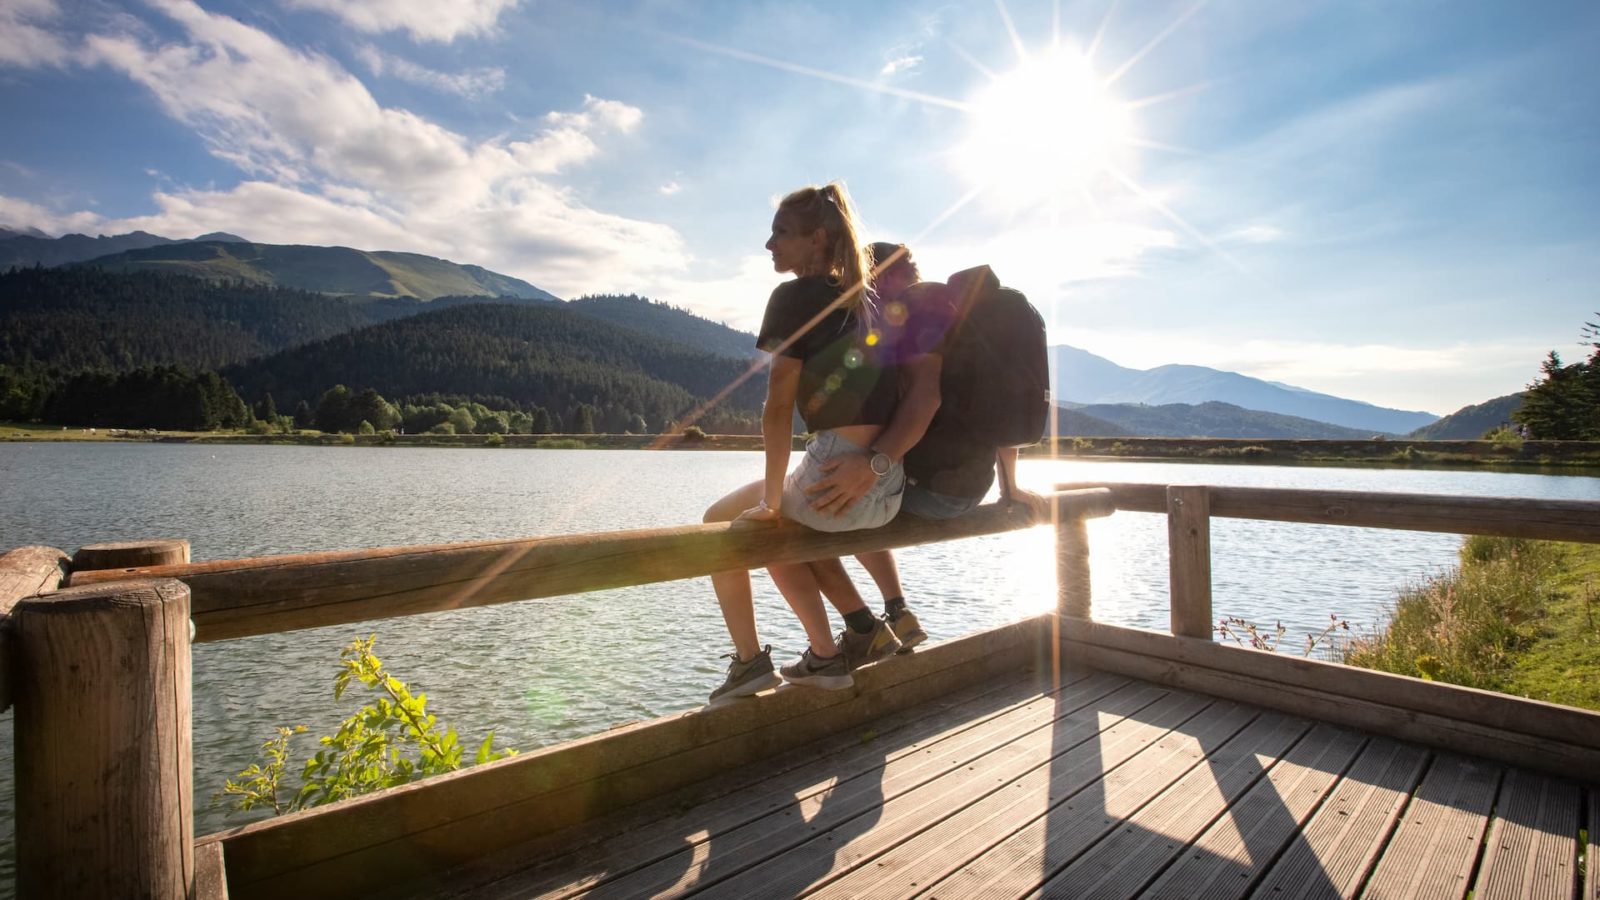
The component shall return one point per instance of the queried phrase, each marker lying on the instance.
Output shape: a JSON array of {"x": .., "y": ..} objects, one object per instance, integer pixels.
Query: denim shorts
[
  {"x": 880, "y": 504},
  {"x": 926, "y": 504}
]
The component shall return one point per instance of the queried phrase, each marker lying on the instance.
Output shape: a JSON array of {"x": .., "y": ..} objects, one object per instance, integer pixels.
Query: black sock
[
  {"x": 894, "y": 606},
  {"x": 861, "y": 621}
]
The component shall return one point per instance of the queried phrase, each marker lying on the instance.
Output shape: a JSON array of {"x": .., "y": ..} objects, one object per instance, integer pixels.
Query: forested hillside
[
  {"x": 1471, "y": 422},
  {"x": 85, "y": 318},
  {"x": 532, "y": 356},
  {"x": 664, "y": 320},
  {"x": 1221, "y": 420}
]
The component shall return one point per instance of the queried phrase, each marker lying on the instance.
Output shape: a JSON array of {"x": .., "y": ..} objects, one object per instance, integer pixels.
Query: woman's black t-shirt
[{"x": 843, "y": 378}]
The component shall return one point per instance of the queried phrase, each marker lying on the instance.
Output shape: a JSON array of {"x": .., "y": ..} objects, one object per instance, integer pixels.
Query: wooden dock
[
  {"x": 1101, "y": 786},
  {"x": 1056, "y": 756}
]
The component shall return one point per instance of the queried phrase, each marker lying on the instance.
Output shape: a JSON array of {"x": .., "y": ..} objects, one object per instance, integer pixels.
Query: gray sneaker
[
  {"x": 861, "y": 648},
  {"x": 828, "y": 674},
  {"x": 748, "y": 677}
]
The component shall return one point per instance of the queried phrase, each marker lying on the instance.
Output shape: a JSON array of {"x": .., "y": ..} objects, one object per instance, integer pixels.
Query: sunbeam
[
  {"x": 786, "y": 66},
  {"x": 1100, "y": 33},
  {"x": 1154, "y": 43},
  {"x": 1155, "y": 204},
  {"x": 1011, "y": 29}
]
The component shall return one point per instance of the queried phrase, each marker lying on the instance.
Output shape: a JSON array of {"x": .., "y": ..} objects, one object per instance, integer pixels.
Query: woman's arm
[{"x": 777, "y": 432}]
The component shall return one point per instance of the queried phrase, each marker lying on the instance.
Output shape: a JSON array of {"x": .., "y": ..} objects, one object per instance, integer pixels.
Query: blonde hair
[{"x": 829, "y": 207}]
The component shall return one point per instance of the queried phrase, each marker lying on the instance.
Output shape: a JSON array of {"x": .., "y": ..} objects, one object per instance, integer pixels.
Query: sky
[{"x": 1396, "y": 201}]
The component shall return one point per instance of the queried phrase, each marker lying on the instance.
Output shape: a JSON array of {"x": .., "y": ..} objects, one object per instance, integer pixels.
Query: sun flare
[{"x": 1044, "y": 130}]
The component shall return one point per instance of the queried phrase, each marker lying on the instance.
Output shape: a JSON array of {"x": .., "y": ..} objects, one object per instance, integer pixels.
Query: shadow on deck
[{"x": 1099, "y": 786}]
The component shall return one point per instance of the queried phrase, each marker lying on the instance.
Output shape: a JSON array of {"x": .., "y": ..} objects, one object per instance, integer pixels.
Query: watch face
[{"x": 880, "y": 464}]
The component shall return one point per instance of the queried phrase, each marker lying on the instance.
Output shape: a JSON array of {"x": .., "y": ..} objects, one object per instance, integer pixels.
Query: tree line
[{"x": 1563, "y": 404}]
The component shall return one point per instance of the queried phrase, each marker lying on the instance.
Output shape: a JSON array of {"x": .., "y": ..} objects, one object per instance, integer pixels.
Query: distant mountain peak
[
  {"x": 222, "y": 236},
  {"x": 11, "y": 231}
]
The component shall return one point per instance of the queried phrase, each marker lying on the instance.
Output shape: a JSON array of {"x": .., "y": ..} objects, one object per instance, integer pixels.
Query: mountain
[
  {"x": 221, "y": 236},
  {"x": 1470, "y": 422},
  {"x": 1211, "y": 419},
  {"x": 80, "y": 317},
  {"x": 545, "y": 355},
  {"x": 35, "y": 249},
  {"x": 328, "y": 270},
  {"x": 1082, "y": 377},
  {"x": 10, "y": 231},
  {"x": 667, "y": 321}
]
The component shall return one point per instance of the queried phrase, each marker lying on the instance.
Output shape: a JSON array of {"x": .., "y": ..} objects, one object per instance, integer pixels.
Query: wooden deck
[{"x": 1105, "y": 786}]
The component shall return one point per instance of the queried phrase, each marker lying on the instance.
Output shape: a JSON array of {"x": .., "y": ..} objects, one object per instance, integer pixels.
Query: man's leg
[{"x": 885, "y": 574}]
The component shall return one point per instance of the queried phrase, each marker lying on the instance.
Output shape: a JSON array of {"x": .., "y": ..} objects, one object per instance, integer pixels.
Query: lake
[{"x": 550, "y": 670}]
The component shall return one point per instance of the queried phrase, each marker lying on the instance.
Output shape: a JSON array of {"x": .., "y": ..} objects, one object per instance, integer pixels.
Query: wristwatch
[{"x": 880, "y": 463}]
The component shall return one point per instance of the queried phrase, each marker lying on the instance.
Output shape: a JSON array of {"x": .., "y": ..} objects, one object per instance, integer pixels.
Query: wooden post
[
  {"x": 24, "y": 572},
  {"x": 1072, "y": 564},
  {"x": 130, "y": 555},
  {"x": 104, "y": 793},
  {"x": 1189, "y": 559}
]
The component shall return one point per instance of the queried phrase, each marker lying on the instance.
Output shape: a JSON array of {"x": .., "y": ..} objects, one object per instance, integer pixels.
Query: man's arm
[
  {"x": 1005, "y": 464},
  {"x": 850, "y": 477}
]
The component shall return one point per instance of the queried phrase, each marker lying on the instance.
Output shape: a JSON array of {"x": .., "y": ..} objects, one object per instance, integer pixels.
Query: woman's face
[{"x": 794, "y": 249}]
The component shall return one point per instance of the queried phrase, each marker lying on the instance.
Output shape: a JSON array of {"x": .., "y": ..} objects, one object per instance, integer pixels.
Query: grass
[{"x": 1517, "y": 616}]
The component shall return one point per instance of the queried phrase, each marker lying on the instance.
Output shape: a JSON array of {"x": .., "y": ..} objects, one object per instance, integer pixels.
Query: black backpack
[{"x": 995, "y": 379}]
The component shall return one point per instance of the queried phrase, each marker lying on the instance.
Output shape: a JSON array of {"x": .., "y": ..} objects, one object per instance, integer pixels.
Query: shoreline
[{"x": 1534, "y": 456}]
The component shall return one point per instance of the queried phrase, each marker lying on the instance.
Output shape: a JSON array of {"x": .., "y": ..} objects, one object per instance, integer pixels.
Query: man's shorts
[
  {"x": 880, "y": 504},
  {"x": 925, "y": 504}
]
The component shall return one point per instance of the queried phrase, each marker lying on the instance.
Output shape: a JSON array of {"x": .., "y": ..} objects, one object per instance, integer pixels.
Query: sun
[{"x": 1045, "y": 130}]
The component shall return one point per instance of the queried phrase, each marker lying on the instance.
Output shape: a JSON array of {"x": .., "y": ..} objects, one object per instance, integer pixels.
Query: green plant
[
  {"x": 693, "y": 434},
  {"x": 494, "y": 439},
  {"x": 1246, "y": 633},
  {"x": 387, "y": 742}
]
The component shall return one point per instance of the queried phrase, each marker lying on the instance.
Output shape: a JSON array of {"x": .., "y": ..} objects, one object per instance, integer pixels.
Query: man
[{"x": 948, "y": 471}]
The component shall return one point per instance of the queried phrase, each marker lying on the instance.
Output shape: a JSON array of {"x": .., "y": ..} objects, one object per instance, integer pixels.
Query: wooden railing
[
  {"x": 97, "y": 661},
  {"x": 99, "y": 670}
]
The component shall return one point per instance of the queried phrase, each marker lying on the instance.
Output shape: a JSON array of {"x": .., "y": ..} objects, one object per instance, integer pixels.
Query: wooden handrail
[
  {"x": 24, "y": 572},
  {"x": 1550, "y": 520},
  {"x": 236, "y": 598}
]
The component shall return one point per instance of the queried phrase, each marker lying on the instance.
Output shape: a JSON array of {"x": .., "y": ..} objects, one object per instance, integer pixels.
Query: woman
[{"x": 819, "y": 328}]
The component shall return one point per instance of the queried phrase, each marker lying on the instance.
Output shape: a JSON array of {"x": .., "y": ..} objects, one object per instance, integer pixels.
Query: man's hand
[
  {"x": 849, "y": 478},
  {"x": 1038, "y": 505}
]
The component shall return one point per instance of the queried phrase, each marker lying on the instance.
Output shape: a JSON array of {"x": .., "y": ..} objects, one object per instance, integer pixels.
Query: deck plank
[
  {"x": 1592, "y": 890},
  {"x": 622, "y": 843},
  {"x": 1008, "y": 741},
  {"x": 940, "y": 851},
  {"x": 1070, "y": 824},
  {"x": 1344, "y": 838},
  {"x": 1533, "y": 844},
  {"x": 1122, "y": 864},
  {"x": 1057, "y": 765},
  {"x": 1435, "y": 848},
  {"x": 1235, "y": 850}
]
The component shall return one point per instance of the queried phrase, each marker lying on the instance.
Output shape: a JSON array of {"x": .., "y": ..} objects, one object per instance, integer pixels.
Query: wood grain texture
[
  {"x": 1436, "y": 845},
  {"x": 1536, "y": 718},
  {"x": 1532, "y": 849},
  {"x": 131, "y": 554},
  {"x": 1189, "y": 559},
  {"x": 1551, "y": 520},
  {"x": 103, "y": 744},
  {"x": 24, "y": 572},
  {"x": 1073, "y": 595},
  {"x": 237, "y": 598}
]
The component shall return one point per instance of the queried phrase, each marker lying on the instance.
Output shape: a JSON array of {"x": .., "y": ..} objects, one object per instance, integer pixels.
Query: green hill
[
  {"x": 1470, "y": 422},
  {"x": 664, "y": 320},
  {"x": 327, "y": 270},
  {"x": 79, "y": 318},
  {"x": 1214, "y": 419},
  {"x": 544, "y": 355}
]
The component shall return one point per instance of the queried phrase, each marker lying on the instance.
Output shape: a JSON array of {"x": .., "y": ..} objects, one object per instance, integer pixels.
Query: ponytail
[{"x": 829, "y": 208}]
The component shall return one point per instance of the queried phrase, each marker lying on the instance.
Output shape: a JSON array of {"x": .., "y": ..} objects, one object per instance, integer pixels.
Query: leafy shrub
[
  {"x": 693, "y": 434},
  {"x": 494, "y": 440},
  {"x": 372, "y": 749}
]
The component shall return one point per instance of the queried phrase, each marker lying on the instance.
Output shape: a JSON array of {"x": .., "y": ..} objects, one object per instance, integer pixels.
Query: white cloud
[
  {"x": 23, "y": 42},
  {"x": 472, "y": 84},
  {"x": 899, "y": 64},
  {"x": 1043, "y": 261},
  {"x": 20, "y": 213},
  {"x": 327, "y": 163},
  {"x": 670, "y": 188},
  {"x": 425, "y": 20},
  {"x": 1255, "y": 234}
]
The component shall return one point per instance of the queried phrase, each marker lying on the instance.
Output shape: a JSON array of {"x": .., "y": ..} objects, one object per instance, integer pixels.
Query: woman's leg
[
  {"x": 733, "y": 587},
  {"x": 798, "y": 584}
]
